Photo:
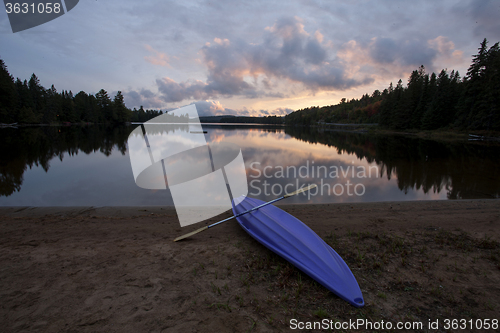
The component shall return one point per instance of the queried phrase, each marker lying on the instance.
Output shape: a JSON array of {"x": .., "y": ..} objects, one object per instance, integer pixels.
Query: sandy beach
[{"x": 116, "y": 269}]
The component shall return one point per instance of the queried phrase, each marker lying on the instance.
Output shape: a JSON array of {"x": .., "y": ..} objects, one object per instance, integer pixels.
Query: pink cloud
[{"x": 158, "y": 59}]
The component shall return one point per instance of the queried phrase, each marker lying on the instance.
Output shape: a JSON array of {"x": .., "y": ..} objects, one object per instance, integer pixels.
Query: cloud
[
  {"x": 286, "y": 59},
  {"x": 159, "y": 59},
  {"x": 286, "y": 53},
  {"x": 210, "y": 108},
  {"x": 144, "y": 97},
  {"x": 447, "y": 54},
  {"x": 216, "y": 108},
  {"x": 385, "y": 57},
  {"x": 409, "y": 52},
  {"x": 291, "y": 53},
  {"x": 171, "y": 91},
  {"x": 383, "y": 50},
  {"x": 485, "y": 13},
  {"x": 282, "y": 111}
]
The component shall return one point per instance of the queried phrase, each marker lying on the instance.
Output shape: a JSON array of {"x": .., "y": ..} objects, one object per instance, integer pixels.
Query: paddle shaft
[
  {"x": 248, "y": 211},
  {"x": 264, "y": 204}
]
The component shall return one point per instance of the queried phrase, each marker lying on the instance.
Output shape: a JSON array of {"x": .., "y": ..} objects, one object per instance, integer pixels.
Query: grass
[
  {"x": 253, "y": 322},
  {"x": 382, "y": 295},
  {"x": 401, "y": 275},
  {"x": 220, "y": 306},
  {"x": 321, "y": 313},
  {"x": 215, "y": 289}
]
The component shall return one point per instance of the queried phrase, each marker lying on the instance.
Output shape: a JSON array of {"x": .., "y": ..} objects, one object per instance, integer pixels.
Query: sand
[{"x": 116, "y": 269}]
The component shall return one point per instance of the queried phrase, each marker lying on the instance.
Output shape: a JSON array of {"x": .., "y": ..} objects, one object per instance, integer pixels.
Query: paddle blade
[
  {"x": 300, "y": 191},
  {"x": 190, "y": 234}
]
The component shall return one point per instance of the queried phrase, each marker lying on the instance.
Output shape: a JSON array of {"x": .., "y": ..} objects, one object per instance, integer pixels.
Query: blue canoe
[{"x": 291, "y": 239}]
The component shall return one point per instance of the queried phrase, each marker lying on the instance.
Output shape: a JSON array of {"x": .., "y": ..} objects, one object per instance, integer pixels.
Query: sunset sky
[{"x": 247, "y": 58}]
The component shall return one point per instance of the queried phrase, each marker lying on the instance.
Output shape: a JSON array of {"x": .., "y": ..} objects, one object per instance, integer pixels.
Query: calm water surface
[{"x": 81, "y": 166}]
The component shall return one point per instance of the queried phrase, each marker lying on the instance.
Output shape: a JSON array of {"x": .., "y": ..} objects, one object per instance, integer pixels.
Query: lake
[{"x": 90, "y": 166}]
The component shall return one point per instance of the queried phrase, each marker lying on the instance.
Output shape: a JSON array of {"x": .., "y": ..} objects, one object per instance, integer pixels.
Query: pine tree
[
  {"x": 440, "y": 111},
  {"x": 37, "y": 93},
  {"x": 67, "y": 113},
  {"x": 24, "y": 101},
  {"x": 104, "y": 106},
  {"x": 8, "y": 96},
  {"x": 400, "y": 114},
  {"x": 120, "y": 109},
  {"x": 415, "y": 90},
  {"x": 386, "y": 109},
  {"x": 479, "y": 103},
  {"x": 422, "y": 103},
  {"x": 53, "y": 106}
]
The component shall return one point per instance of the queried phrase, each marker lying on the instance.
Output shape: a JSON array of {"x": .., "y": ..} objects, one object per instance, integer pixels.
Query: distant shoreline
[{"x": 343, "y": 127}]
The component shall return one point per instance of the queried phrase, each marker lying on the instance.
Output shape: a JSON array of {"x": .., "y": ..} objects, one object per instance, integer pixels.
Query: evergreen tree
[
  {"x": 104, "y": 106},
  {"x": 37, "y": 93},
  {"x": 141, "y": 114},
  {"x": 387, "y": 107},
  {"x": 8, "y": 96},
  {"x": 120, "y": 109},
  {"x": 423, "y": 101},
  {"x": 25, "y": 103},
  {"x": 67, "y": 113},
  {"x": 479, "y": 102},
  {"x": 53, "y": 106},
  {"x": 440, "y": 110},
  {"x": 400, "y": 118},
  {"x": 83, "y": 107},
  {"x": 414, "y": 94}
]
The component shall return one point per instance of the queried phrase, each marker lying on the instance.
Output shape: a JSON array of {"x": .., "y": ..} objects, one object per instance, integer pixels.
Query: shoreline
[
  {"x": 437, "y": 134},
  {"x": 304, "y": 209},
  {"x": 117, "y": 269}
]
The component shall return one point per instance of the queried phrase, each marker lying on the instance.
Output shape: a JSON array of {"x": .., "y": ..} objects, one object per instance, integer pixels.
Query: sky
[{"x": 250, "y": 58}]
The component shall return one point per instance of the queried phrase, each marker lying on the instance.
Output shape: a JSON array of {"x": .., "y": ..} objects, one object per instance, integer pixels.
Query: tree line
[
  {"x": 28, "y": 102},
  {"x": 356, "y": 111},
  {"x": 427, "y": 102}
]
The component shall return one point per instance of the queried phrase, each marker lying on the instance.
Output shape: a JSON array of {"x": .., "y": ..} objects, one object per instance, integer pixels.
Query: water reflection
[
  {"x": 45, "y": 166},
  {"x": 37, "y": 146},
  {"x": 464, "y": 170}
]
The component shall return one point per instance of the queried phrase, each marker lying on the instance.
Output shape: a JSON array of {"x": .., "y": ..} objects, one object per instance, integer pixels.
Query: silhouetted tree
[
  {"x": 8, "y": 96},
  {"x": 120, "y": 110},
  {"x": 480, "y": 99},
  {"x": 104, "y": 106}
]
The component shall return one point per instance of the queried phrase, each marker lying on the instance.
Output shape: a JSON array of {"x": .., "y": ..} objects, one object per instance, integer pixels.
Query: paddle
[{"x": 248, "y": 211}]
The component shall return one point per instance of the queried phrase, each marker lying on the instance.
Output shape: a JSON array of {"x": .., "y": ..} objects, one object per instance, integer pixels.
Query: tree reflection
[
  {"x": 37, "y": 146},
  {"x": 465, "y": 170}
]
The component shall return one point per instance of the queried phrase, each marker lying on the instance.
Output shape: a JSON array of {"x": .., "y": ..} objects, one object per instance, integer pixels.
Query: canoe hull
[{"x": 291, "y": 239}]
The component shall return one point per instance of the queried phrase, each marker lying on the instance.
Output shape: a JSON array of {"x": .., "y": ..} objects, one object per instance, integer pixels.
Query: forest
[
  {"x": 28, "y": 102},
  {"x": 426, "y": 102}
]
